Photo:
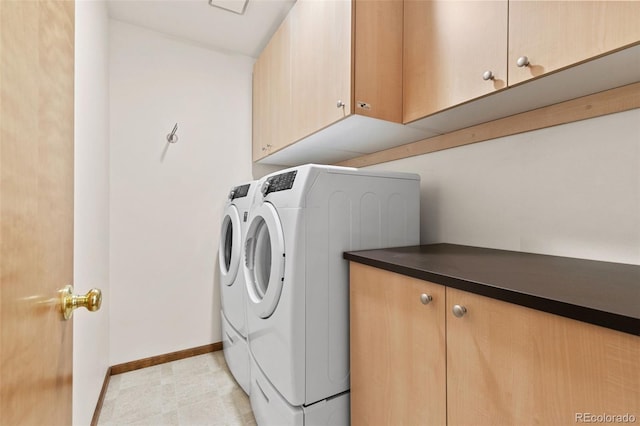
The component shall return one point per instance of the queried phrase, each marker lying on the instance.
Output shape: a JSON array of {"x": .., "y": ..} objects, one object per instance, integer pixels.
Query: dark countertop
[{"x": 601, "y": 293}]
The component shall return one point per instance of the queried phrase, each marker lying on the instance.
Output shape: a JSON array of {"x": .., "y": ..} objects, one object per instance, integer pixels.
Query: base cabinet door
[
  {"x": 397, "y": 349},
  {"x": 510, "y": 365}
]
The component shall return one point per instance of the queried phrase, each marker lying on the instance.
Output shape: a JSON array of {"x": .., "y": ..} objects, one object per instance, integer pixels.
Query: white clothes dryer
[
  {"x": 301, "y": 222},
  {"x": 232, "y": 287}
]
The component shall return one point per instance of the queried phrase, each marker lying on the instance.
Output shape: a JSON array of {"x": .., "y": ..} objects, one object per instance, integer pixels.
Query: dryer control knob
[
  {"x": 265, "y": 188},
  {"x": 232, "y": 193}
]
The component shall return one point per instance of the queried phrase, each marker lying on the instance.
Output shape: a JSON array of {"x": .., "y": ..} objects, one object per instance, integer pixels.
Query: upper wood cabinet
[
  {"x": 556, "y": 34},
  {"x": 458, "y": 51},
  {"x": 320, "y": 64},
  {"x": 272, "y": 94},
  {"x": 331, "y": 59},
  {"x": 449, "y": 45}
]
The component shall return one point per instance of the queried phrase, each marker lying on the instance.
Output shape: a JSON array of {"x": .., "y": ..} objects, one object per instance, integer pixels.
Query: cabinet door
[
  {"x": 508, "y": 364},
  {"x": 272, "y": 95},
  {"x": 556, "y": 34},
  {"x": 397, "y": 349},
  {"x": 448, "y": 46},
  {"x": 378, "y": 59},
  {"x": 321, "y": 64}
]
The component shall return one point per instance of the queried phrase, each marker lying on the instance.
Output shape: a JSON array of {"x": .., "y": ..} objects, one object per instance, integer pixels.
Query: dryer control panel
[
  {"x": 280, "y": 182},
  {"x": 239, "y": 192}
]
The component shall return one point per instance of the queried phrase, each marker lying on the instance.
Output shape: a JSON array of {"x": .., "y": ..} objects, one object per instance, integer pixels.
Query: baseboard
[
  {"x": 161, "y": 359},
  {"x": 148, "y": 362},
  {"x": 103, "y": 392}
]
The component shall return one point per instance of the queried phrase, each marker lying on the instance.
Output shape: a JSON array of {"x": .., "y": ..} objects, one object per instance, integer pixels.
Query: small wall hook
[{"x": 172, "y": 137}]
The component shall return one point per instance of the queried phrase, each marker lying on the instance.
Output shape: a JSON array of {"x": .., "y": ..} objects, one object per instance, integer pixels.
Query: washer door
[
  {"x": 264, "y": 260},
  {"x": 230, "y": 249}
]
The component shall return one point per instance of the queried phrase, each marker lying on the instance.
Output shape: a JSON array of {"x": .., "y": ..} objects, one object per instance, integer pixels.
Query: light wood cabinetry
[
  {"x": 505, "y": 364},
  {"x": 329, "y": 60},
  {"x": 272, "y": 94},
  {"x": 557, "y": 34},
  {"x": 320, "y": 64},
  {"x": 397, "y": 349},
  {"x": 449, "y": 45},
  {"x": 377, "y": 59}
]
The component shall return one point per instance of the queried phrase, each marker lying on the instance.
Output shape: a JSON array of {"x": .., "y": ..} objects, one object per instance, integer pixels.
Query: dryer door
[
  {"x": 230, "y": 249},
  {"x": 264, "y": 260}
]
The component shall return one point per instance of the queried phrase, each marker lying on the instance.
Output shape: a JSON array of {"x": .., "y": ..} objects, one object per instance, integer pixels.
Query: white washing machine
[
  {"x": 301, "y": 222},
  {"x": 232, "y": 286}
]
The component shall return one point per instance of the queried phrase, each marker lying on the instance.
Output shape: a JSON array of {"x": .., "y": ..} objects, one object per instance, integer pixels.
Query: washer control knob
[
  {"x": 232, "y": 193},
  {"x": 265, "y": 188}
]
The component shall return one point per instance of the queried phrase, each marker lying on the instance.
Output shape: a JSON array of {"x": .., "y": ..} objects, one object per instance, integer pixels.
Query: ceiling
[{"x": 197, "y": 21}]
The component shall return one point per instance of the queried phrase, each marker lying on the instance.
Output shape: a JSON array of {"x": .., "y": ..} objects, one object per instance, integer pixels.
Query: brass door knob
[{"x": 69, "y": 301}]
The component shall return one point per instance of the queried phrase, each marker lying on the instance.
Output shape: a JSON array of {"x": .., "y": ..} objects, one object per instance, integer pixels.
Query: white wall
[
  {"x": 91, "y": 222},
  {"x": 166, "y": 200},
  {"x": 571, "y": 190}
]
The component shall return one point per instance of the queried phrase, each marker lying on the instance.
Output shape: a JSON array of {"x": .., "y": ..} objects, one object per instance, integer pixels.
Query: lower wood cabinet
[
  {"x": 497, "y": 364},
  {"x": 397, "y": 349}
]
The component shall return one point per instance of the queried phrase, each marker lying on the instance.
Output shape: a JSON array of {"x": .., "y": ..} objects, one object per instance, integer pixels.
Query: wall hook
[{"x": 172, "y": 137}]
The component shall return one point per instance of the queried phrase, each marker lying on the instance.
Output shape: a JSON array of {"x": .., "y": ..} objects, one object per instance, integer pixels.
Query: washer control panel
[
  {"x": 280, "y": 182},
  {"x": 239, "y": 192}
]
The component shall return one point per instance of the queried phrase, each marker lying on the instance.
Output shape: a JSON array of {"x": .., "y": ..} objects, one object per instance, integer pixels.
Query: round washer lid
[
  {"x": 264, "y": 260},
  {"x": 230, "y": 248}
]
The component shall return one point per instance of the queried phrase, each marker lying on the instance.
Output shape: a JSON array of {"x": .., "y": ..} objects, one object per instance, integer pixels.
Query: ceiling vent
[{"x": 236, "y": 6}]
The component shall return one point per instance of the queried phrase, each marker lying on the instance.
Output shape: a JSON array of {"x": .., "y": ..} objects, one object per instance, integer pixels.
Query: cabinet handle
[
  {"x": 340, "y": 104},
  {"x": 459, "y": 311},
  {"x": 425, "y": 298},
  {"x": 522, "y": 61},
  {"x": 488, "y": 75}
]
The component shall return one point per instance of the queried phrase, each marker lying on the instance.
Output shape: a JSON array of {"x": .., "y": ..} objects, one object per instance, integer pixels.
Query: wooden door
[
  {"x": 320, "y": 64},
  {"x": 448, "y": 46},
  {"x": 36, "y": 210},
  {"x": 397, "y": 349},
  {"x": 511, "y": 365},
  {"x": 556, "y": 34}
]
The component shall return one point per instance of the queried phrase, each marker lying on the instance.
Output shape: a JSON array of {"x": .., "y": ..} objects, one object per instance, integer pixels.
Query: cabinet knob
[
  {"x": 340, "y": 104},
  {"x": 459, "y": 311},
  {"x": 425, "y": 298},
  {"x": 522, "y": 61},
  {"x": 488, "y": 75}
]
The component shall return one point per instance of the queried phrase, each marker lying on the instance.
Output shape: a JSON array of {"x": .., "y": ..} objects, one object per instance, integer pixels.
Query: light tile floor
[{"x": 190, "y": 392}]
